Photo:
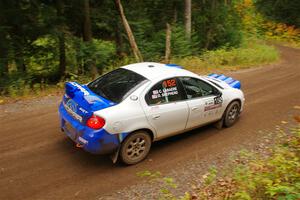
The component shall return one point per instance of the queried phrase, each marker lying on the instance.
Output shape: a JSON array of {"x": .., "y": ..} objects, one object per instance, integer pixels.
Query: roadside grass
[
  {"x": 252, "y": 53},
  {"x": 270, "y": 173}
]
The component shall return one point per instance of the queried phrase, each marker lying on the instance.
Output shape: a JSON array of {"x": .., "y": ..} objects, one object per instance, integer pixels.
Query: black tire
[
  {"x": 232, "y": 113},
  {"x": 135, "y": 147}
]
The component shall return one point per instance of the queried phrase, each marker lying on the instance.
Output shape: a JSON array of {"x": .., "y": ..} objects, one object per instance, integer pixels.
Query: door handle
[
  {"x": 194, "y": 108},
  {"x": 156, "y": 116}
]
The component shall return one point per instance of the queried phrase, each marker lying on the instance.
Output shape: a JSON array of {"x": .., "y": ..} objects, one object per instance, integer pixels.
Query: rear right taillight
[{"x": 95, "y": 122}]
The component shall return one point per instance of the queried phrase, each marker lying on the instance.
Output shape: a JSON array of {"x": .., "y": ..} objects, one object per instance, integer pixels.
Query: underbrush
[
  {"x": 283, "y": 33},
  {"x": 246, "y": 56},
  {"x": 273, "y": 173}
]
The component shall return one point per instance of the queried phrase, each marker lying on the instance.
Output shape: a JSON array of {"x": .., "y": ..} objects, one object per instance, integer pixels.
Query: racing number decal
[
  {"x": 169, "y": 83},
  {"x": 168, "y": 88}
]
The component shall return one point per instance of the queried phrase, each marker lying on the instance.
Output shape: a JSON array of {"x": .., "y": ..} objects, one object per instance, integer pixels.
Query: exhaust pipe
[{"x": 79, "y": 145}]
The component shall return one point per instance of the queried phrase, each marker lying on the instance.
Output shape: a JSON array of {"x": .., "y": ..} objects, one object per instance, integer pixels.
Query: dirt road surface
[{"x": 37, "y": 161}]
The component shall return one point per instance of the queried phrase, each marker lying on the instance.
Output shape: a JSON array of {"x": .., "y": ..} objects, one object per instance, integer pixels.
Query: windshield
[{"x": 116, "y": 84}]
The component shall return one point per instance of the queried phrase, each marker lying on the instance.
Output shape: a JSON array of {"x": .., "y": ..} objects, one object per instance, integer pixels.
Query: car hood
[{"x": 224, "y": 80}]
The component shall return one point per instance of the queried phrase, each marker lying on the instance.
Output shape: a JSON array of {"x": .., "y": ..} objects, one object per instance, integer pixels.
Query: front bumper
[{"x": 93, "y": 141}]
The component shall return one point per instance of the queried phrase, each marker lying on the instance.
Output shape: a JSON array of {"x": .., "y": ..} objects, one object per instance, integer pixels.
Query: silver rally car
[{"x": 125, "y": 110}]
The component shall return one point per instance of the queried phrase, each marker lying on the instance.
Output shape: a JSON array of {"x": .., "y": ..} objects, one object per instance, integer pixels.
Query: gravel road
[{"x": 37, "y": 161}]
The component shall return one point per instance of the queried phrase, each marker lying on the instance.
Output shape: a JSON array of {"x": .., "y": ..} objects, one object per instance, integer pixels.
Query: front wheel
[
  {"x": 135, "y": 147},
  {"x": 232, "y": 113}
]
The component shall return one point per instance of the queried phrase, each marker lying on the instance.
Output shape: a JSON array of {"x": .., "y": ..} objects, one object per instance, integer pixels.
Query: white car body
[
  {"x": 166, "y": 100},
  {"x": 167, "y": 119}
]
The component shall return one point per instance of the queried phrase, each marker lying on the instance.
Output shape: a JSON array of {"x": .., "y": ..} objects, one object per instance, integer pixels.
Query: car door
[
  {"x": 165, "y": 108},
  {"x": 204, "y": 101}
]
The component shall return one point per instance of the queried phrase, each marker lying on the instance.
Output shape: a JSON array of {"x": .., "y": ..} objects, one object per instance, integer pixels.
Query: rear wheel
[
  {"x": 135, "y": 147},
  {"x": 232, "y": 113}
]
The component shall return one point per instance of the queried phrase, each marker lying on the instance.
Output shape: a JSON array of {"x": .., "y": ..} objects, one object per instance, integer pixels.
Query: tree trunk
[
  {"x": 175, "y": 13},
  {"x": 3, "y": 58},
  {"x": 87, "y": 34},
  {"x": 19, "y": 56},
  {"x": 118, "y": 40},
  {"x": 62, "y": 55},
  {"x": 136, "y": 52},
  {"x": 188, "y": 18},
  {"x": 61, "y": 39},
  {"x": 87, "y": 28},
  {"x": 168, "y": 44}
]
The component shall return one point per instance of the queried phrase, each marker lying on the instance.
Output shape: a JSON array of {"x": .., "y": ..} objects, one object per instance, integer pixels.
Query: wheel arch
[
  {"x": 147, "y": 130},
  {"x": 236, "y": 99}
]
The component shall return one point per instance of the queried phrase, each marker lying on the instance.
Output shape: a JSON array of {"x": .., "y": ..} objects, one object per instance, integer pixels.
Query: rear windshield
[{"x": 117, "y": 84}]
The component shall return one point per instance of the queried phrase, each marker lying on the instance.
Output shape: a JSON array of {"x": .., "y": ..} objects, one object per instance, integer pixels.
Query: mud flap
[
  {"x": 219, "y": 124},
  {"x": 114, "y": 157}
]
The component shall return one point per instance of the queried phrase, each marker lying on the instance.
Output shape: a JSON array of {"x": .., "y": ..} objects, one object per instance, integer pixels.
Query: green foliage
[
  {"x": 153, "y": 46},
  {"x": 216, "y": 24},
  {"x": 43, "y": 58},
  {"x": 180, "y": 46},
  {"x": 263, "y": 22},
  {"x": 166, "y": 185},
  {"x": 281, "y": 11},
  {"x": 43, "y": 43},
  {"x": 249, "y": 54},
  {"x": 210, "y": 176},
  {"x": 254, "y": 176},
  {"x": 82, "y": 53}
]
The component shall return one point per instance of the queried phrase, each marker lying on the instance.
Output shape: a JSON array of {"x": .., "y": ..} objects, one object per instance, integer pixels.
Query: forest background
[{"x": 44, "y": 43}]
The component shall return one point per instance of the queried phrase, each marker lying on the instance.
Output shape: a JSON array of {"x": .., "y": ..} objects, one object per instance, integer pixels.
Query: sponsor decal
[
  {"x": 82, "y": 140},
  {"x": 83, "y": 111},
  {"x": 211, "y": 107},
  {"x": 72, "y": 110},
  {"x": 72, "y": 105},
  {"x": 213, "y": 103},
  {"x": 84, "y": 91}
]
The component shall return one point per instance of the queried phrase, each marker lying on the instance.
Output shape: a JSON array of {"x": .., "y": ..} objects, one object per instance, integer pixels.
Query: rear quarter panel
[{"x": 126, "y": 117}]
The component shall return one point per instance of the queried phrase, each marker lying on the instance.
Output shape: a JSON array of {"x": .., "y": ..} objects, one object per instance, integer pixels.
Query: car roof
[{"x": 152, "y": 70}]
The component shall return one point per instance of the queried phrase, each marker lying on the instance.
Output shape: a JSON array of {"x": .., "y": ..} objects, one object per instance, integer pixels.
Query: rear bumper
[{"x": 93, "y": 141}]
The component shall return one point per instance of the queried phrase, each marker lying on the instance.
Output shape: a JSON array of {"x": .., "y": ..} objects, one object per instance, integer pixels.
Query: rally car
[{"x": 124, "y": 111}]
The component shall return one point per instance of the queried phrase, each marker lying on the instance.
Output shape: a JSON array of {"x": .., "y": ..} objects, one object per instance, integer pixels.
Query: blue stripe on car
[
  {"x": 174, "y": 65},
  {"x": 230, "y": 81}
]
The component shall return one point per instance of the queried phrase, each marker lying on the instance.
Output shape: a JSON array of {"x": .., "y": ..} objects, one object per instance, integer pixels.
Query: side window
[
  {"x": 196, "y": 88},
  {"x": 164, "y": 92}
]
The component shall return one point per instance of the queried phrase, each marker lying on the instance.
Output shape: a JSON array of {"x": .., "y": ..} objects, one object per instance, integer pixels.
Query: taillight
[{"x": 95, "y": 122}]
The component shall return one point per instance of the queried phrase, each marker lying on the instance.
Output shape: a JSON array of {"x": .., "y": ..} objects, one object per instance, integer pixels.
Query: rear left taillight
[{"x": 95, "y": 122}]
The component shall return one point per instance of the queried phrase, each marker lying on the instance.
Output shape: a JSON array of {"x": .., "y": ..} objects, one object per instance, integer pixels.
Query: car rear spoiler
[
  {"x": 86, "y": 98},
  {"x": 230, "y": 81}
]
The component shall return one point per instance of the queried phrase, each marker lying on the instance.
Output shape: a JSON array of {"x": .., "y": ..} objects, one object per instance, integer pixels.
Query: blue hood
[{"x": 230, "y": 81}]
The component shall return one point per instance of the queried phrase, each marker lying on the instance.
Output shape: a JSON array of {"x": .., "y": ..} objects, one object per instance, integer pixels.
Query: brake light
[{"x": 95, "y": 122}]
